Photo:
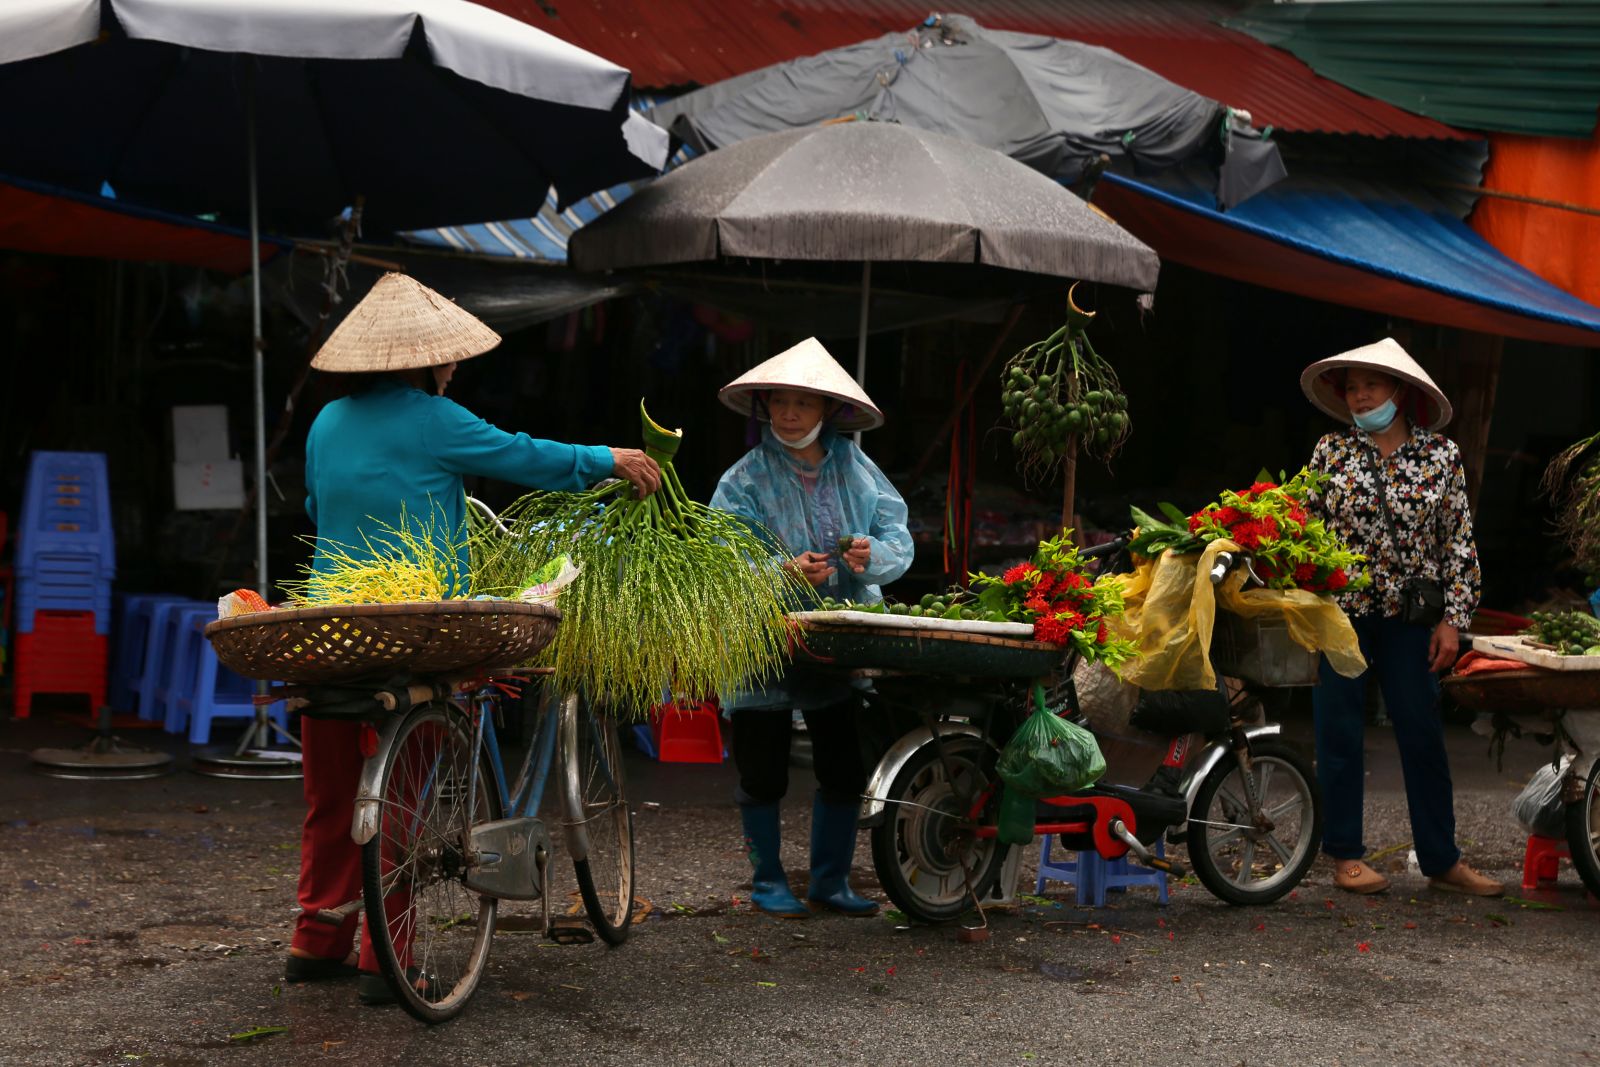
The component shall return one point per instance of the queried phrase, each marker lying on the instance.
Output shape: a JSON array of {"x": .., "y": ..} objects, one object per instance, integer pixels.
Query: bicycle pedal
[{"x": 570, "y": 935}]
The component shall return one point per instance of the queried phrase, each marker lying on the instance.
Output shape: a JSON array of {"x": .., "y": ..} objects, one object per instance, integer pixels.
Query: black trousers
[{"x": 761, "y": 753}]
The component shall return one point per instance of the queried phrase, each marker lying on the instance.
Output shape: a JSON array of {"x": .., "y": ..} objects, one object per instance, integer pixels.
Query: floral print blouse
[{"x": 1427, "y": 489}]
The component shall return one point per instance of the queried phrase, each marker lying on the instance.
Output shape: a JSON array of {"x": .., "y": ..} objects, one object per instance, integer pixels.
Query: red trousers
[{"x": 330, "y": 860}]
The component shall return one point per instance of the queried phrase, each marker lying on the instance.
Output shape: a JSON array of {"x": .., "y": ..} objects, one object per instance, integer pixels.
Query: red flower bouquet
[
  {"x": 1065, "y": 605},
  {"x": 1290, "y": 549}
]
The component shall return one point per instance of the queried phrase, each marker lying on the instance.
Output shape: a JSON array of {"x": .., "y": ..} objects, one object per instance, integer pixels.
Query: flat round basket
[
  {"x": 1534, "y": 689},
  {"x": 341, "y": 643},
  {"x": 923, "y": 651}
]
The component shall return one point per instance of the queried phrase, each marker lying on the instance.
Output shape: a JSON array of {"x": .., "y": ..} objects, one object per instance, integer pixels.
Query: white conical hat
[
  {"x": 1386, "y": 356},
  {"x": 807, "y": 366},
  {"x": 403, "y": 324}
]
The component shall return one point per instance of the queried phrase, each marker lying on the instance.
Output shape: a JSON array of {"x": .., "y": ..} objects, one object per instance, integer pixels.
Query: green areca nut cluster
[{"x": 1060, "y": 389}]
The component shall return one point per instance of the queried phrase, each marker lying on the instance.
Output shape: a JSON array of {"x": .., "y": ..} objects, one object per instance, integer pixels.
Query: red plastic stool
[
  {"x": 688, "y": 732},
  {"x": 63, "y": 654},
  {"x": 1543, "y": 859}
]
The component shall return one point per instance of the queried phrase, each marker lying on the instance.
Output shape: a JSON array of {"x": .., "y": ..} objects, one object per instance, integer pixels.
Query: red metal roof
[{"x": 682, "y": 42}]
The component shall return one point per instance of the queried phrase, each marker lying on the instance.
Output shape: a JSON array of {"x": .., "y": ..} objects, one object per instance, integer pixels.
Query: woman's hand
[
  {"x": 638, "y": 468},
  {"x": 812, "y": 567},
  {"x": 1443, "y": 647},
  {"x": 859, "y": 555}
]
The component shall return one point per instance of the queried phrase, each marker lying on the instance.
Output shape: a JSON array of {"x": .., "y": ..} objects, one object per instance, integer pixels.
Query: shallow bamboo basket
[{"x": 345, "y": 642}]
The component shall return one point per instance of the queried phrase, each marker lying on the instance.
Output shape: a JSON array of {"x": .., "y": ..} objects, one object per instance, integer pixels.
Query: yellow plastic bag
[
  {"x": 1315, "y": 622},
  {"x": 1170, "y": 610}
]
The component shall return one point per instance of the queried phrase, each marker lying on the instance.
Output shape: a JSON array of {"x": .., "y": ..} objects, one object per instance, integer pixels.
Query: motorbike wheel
[
  {"x": 1583, "y": 832},
  {"x": 1256, "y": 866},
  {"x": 921, "y": 847}
]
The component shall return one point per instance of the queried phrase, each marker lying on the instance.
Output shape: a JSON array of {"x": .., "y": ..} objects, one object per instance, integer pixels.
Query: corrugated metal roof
[
  {"x": 682, "y": 42},
  {"x": 1484, "y": 64}
]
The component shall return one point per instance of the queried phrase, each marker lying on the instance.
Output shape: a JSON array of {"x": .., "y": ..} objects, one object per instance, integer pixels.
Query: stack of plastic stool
[
  {"x": 182, "y": 654},
  {"x": 1542, "y": 860},
  {"x": 215, "y": 692},
  {"x": 7, "y": 594},
  {"x": 1091, "y": 874},
  {"x": 155, "y": 668},
  {"x": 65, "y": 561},
  {"x": 130, "y": 637}
]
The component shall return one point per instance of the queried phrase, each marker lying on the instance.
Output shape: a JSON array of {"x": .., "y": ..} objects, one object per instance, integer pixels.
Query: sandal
[
  {"x": 1354, "y": 876},
  {"x": 316, "y": 969}
]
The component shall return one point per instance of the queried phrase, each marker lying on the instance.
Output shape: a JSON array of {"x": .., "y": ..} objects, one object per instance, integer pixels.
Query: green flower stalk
[{"x": 672, "y": 597}]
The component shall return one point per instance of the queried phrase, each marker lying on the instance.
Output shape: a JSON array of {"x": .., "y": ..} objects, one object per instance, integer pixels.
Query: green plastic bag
[
  {"x": 1048, "y": 755},
  {"x": 1016, "y": 817}
]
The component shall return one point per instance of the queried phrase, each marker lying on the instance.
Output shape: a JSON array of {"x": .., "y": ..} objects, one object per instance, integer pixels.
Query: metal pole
[
  {"x": 861, "y": 332},
  {"x": 258, "y": 361}
]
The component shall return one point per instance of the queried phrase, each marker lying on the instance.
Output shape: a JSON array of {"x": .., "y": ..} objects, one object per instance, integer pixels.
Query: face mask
[
  {"x": 1378, "y": 419},
  {"x": 803, "y": 442}
]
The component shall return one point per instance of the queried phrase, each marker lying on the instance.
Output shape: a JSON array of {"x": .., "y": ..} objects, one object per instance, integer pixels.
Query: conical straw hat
[
  {"x": 808, "y": 367},
  {"x": 403, "y": 324},
  {"x": 1386, "y": 356}
]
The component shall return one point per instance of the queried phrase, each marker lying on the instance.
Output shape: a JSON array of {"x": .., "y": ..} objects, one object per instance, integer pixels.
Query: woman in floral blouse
[{"x": 1392, "y": 448}]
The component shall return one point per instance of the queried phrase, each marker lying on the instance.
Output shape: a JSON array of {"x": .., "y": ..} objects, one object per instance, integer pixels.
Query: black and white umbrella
[{"x": 280, "y": 114}]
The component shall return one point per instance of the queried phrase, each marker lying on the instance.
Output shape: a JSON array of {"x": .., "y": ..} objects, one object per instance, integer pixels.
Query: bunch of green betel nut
[
  {"x": 952, "y": 605},
  {"x": 1571, "y": 633}
]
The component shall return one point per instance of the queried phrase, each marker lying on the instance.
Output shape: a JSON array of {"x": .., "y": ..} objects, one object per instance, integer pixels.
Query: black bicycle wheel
[
  {"x": 1583, "y": 832},
  {"x": 599, "y": 825},
  {"x": 431, "y": 933},
  {"x": 925, "y": 843},
  {"x": 1256, "y": 865}
]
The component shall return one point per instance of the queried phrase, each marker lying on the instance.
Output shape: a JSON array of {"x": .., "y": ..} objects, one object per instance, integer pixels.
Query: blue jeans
[{"x": 1398, "y": 653}]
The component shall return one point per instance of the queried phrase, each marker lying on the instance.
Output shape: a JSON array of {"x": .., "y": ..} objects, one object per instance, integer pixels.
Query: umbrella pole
[{"x": 861, "y": 332}]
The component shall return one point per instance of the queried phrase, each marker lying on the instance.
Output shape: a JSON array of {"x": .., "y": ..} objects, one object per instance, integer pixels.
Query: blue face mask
[{"x": 1378, "y": 419}]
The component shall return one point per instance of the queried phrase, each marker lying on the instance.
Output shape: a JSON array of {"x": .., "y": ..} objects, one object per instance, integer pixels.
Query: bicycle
[{"x": 446, "y": 834}]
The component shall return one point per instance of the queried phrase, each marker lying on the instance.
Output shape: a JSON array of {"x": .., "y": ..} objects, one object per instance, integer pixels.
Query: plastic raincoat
[{"x": 846, "y": 495}]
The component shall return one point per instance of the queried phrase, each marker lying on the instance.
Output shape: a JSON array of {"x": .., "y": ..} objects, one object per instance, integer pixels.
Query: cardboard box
[{"x": 209, "y": 486}]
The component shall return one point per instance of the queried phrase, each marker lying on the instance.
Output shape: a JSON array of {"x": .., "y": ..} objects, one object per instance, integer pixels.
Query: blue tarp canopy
[{"x": 1391, "y": 249}]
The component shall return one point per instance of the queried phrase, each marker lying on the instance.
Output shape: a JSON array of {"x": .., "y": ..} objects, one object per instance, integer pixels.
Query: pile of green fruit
[
  {"x": 1571, "y": 633},
  {"x": 1060, "y": 389},
  {"x": 956, "y": 604}
]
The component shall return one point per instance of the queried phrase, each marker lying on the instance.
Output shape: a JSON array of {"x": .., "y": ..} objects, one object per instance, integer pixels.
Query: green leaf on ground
[{"x": 257, "y": 1032}]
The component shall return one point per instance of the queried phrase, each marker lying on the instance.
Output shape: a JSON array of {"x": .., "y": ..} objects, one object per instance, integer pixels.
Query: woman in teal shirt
[{"x": 394, "y": 454}]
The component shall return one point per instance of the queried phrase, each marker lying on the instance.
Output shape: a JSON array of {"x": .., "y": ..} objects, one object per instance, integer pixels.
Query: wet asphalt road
[{"x": 144, "y": 923}]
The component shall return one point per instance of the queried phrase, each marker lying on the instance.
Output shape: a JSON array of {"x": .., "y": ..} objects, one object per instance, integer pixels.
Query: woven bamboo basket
[
  {"x": 946, "y": 652},
  {"x": 346, "y": 642},
  {"x": 1531, "y": 690}
]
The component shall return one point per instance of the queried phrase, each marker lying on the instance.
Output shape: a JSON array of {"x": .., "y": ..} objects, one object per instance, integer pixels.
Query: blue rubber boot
[
  {"x": 833, "y": 845},
  {"x": 768, "y": 884}
]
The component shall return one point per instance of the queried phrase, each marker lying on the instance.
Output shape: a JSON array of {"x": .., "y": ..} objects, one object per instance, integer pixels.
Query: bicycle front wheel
[
  {"x": 430, "y": 932},
  {"x": 599, "y": 825},
  {"x": 1248, "y": 864},
  {"x": 1583, "y": 832}
]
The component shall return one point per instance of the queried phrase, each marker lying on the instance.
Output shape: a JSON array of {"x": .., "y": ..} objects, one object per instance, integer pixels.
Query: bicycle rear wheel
[
  {"x": 430, "y": 932},
  {"x": 599, "y": 825}
]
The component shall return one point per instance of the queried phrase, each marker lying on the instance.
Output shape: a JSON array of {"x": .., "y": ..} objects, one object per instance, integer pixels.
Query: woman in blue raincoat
[{"x": 841, "y": 526}]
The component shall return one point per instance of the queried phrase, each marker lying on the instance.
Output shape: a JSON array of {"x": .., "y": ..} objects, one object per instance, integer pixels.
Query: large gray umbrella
[
  {"x": 864, "y": 192},
  {"x": 1056, "y": 105}
]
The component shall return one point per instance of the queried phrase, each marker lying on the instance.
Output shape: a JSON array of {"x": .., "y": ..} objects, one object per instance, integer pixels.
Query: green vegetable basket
[{"x": 953, "y": 649}]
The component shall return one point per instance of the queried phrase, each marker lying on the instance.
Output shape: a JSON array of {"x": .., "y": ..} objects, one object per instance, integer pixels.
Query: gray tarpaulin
[{"x": 1055, "y": 105}]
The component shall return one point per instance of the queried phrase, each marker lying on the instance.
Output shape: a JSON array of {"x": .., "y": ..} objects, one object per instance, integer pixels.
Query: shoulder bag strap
[{"x": 1388, "y": 516}]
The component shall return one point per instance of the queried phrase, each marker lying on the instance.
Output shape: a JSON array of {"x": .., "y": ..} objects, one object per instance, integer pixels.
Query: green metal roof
[{"x": 1530, "y": 67}]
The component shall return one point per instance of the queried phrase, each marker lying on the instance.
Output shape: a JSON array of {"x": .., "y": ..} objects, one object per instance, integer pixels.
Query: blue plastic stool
[
  {"x": 131, "y": 630},
  {"x": 155, "y": 678},
  {"x": 214, "y": 693},
  {"x": 1091, "y": 874},
  {"x": 184, "y": 644}
]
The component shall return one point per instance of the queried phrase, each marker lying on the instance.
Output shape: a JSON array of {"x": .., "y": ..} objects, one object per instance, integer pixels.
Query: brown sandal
[{"x": 1354, "y": 876}]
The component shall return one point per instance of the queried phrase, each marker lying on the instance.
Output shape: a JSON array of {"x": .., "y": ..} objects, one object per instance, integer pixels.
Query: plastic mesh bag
[
  {"x": 1538, "y": 807},
  {"x": 1048, "y": 755}
]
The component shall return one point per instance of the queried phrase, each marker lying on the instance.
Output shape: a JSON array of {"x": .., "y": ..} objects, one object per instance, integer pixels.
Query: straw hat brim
[
  {"x": 807, "y": 367},
  {"x": 401, "y": 324},
  {"x": 1387, "y": 357}
]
